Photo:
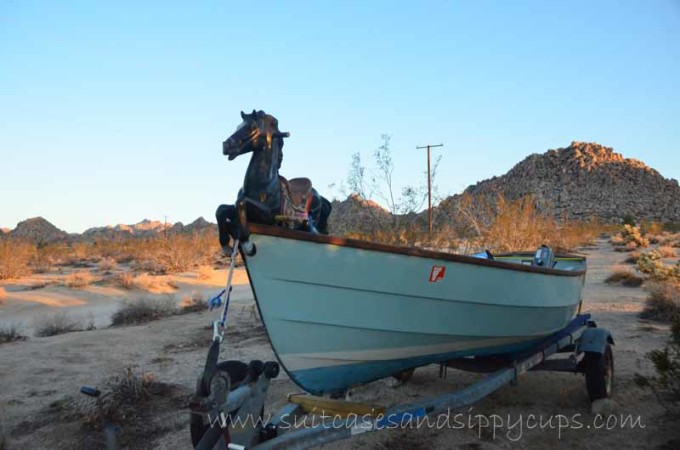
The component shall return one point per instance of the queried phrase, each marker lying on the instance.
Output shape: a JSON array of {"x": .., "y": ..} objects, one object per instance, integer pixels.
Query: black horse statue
[{"x": 266, "y": 196}]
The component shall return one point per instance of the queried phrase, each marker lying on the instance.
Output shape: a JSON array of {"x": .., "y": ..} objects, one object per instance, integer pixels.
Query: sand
[{"x": 39, "y": 374}]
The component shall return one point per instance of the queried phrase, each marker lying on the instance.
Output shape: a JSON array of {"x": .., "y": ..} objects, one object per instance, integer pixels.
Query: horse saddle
[{"x": 296, "y": 200}]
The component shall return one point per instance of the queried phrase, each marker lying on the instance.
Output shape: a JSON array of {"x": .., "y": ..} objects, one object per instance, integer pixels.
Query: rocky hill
[
  {"x": 356, "y": 214},
  {"x": 144, "y": 228},
  {"x": 584, "y": 180},
  {"x": 38, "y": 230}
]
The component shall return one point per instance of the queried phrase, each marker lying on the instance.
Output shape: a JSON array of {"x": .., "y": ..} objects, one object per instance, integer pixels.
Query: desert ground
[{"x": 40, "y": 377}]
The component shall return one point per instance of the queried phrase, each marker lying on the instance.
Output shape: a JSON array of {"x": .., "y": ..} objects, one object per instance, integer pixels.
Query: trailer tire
[
  {"x": 599, "y": 371},
  {"x": 237, "y": 372}
]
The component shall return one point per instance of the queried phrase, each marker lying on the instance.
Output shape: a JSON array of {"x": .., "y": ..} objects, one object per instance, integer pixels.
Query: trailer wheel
[
  {"x": 235, "y": 372},
  {"x": 599, "y": 371}
]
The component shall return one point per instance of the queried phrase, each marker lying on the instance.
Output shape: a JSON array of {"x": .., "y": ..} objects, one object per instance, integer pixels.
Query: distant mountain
[
  {"x": 141, "y": 229},
  {"x": 581, "y": 181},
  {"x": 38, "y": 230},
  {"x": 199, "y": 224}
]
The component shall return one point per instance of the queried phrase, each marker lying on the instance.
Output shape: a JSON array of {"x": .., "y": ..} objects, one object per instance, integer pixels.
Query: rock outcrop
[
  {"x": 38, "y": 230},
  {"x": 585, "y": 180},
  {"x": 356, "y": 214}
]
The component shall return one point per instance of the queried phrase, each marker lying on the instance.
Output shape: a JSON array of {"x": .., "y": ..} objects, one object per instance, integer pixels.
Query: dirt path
[{"x": 39, "y": 374}]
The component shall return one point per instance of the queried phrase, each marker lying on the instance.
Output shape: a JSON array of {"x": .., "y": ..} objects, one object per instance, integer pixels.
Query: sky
[{"x": 112, "y": 112}]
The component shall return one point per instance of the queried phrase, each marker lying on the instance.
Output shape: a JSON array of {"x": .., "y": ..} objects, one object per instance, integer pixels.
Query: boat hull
[{"x": 339, "y": 316}]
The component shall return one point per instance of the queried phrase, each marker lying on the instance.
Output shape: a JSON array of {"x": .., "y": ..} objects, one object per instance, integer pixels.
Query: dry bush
[
  {"x": 205, "y": 272},
  {"x": 10, "y": 333},
  {"x": 147, "y": 282},
  {"x": 79, "y": 279},
  {"x": 521, "y": 225},
  {"x": 107, "y": 264},
  {"x": 124, "y": 399},
  {"x": 179, "y": 253},
  {"x": 125, "y": 280},
  {"x": 58, "y": 323},
  {"x": 631, "y": 237},
  {"x": 15, "y": 258},
  {"x": 632, "y": 257},
  {"x": 667, "y": 252},
  {"x": 195, "y": 303},
  {"x": 625, "y": 277},
  {"x": 663, "y": 301},
  {"x": 142, "y": 310},
  {"x": 45, "y": 257}
]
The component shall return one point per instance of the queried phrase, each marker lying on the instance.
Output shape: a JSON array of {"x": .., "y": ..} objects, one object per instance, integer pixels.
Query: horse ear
[
  {"x": 254, "y": 114},
  {"x": 243, "y": 115}
]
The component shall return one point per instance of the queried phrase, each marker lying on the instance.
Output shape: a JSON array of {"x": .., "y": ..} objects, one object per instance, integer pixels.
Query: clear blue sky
[{"x": 113, "y": 112}]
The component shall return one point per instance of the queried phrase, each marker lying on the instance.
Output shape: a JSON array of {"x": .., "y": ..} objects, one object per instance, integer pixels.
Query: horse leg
[
  {"x": 258, "y": 212},
  {"x": 326, "y": 209},
  {"x": 320, "y": 210},
  {"x": 227, "y": 225}
]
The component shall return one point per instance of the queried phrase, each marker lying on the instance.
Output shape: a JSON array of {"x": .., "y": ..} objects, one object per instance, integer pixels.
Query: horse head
[{"x": 258, "y": 131}]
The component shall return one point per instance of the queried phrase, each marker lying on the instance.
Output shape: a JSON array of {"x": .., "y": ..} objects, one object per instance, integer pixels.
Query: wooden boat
[{"x": 341, "y": 312}]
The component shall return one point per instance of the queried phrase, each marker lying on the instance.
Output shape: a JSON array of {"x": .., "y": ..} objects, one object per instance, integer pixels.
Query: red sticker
[{"x": 437, "y": 273}]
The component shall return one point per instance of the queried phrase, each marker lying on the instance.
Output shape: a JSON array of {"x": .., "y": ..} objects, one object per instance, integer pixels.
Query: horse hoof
[{"x": 249, "y": 248}]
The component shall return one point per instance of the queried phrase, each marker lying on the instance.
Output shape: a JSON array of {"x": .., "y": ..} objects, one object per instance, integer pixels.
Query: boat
[{"x": 342, "y": 312}]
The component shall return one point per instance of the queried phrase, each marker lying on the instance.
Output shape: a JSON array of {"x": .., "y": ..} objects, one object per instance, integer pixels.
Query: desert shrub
[
  {"x": 79, "y": 279},
  {"x": 44, "y": 258},
  {"x": 617, "y": 240},
  {"x": 205, "y": 272},
  {"x": 624, "y": 276},
  {"x": 125, "y": 396},
  {"x": 147, "y": 282},
  {"x": 15, "y": 258},
  {"x": 506, "y": 225},
  {"x": 142, "y": 310},
  {"x": 632, "y": 257},
  {"x": 663, "y": 301},
  {"x": 58, "y": 323},
  {"x": 179, "y": 253},
  {"x": 106, "y": 264},
  {"x": 124, "y": 280},
  {"x": 629, "y": 219},
  {"x": 630, "y": 237},
  {"x": 10, "y": 333},
  {"x": 672, "y": 227},
  {"x": 667, "y": 252},
  {"x": 651, "y": 265},
  {"x": 194, "y": 303},
  {"x": 650, "y": 228},
  {"x": 666, "y": 383}
]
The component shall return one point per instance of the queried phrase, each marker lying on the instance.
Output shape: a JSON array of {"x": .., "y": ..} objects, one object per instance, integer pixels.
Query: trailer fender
[{"x": 595, "y": 340}]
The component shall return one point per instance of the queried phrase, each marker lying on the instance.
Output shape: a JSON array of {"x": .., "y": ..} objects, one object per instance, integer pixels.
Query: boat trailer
[{"x": 228, "y": 409}]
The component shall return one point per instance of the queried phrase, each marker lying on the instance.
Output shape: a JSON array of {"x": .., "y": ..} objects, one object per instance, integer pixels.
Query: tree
[{"x": 380, "y": 184}]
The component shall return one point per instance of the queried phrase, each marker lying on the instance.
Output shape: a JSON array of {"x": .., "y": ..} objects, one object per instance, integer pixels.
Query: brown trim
[{"x": 285, "y": 233}]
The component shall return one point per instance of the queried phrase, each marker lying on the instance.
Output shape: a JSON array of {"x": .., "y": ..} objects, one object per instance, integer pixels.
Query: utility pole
[{"x": 429, "y": 185}]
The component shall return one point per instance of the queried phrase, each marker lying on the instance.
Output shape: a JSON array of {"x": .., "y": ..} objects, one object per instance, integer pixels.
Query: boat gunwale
[{"x": 269, "y": 230}]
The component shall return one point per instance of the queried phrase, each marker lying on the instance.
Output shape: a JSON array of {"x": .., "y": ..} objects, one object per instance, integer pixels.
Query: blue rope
[{"x": 216, "y": 301}]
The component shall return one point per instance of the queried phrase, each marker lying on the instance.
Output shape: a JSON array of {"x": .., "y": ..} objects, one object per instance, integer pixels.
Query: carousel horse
[{"x": 267, "y": 197}]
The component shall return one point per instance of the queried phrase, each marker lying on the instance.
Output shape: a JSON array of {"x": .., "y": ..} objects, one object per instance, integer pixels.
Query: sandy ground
[{"x": 39, "y": 374}]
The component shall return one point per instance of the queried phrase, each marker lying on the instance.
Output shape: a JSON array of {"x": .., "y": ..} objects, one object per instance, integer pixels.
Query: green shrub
[{"x": 666, "y": 383}]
